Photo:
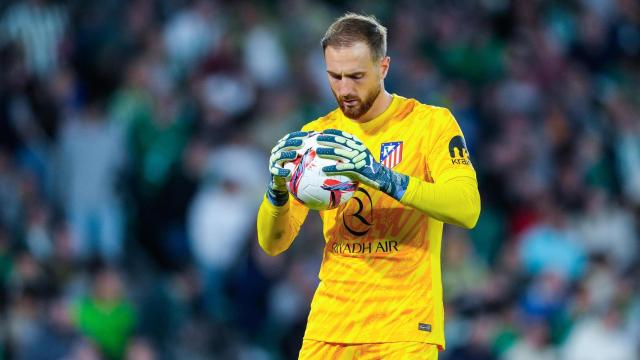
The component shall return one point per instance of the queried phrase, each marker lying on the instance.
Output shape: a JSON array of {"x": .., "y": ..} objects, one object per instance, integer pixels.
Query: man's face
[{"x": 355, "y": 78}]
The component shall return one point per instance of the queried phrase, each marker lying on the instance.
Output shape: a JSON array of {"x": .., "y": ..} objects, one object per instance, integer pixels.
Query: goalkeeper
[{"x": 380, "y": 290}]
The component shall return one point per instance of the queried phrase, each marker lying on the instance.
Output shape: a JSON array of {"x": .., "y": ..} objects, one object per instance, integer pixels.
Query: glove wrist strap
[
  {"x": 276, "y": 196},
  {"x": 392, "y": 183}
]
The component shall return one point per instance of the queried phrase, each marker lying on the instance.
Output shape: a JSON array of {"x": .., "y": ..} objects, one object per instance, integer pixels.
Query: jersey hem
[{"x": 440, "y": 345}]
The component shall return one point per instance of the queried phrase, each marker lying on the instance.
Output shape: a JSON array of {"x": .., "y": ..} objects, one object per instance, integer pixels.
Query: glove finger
[
  {"x": 287, "y": 145},
  {"x": 292, "y": 144},
  {"x": 335, "y": 132},
  {"x": 284, "y": 156},
  {"x": 338, "y": 169},
  {"x": 295, "y": 135},
  {"x": 342, "y": 133},
  {"x": 281, "y": 158},
  {"x": 336, "y": 154},
  {"x": 337, "y": 141},
  {"x": 361, "y": 157},
  {"x": 280, "y": 172},
  {"x": 330, "y": 170},
  {"x": 278, "y": 146}
]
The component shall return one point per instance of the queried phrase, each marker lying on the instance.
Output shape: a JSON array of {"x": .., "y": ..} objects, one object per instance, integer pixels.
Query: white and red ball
[{"x": 310, "y": 185}]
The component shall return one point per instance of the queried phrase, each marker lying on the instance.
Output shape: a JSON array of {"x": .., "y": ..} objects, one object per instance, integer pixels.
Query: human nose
[{"x": 344, "y": 87}]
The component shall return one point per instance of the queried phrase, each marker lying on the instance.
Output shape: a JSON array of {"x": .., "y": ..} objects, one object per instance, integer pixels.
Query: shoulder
[
  {"x": 434, "y": 113},
  {"x": 323, "y": 122},
  {"x": 429, "y": 115}
]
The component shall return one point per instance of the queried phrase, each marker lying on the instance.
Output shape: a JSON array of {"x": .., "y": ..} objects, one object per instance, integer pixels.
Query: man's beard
[{"x": 361, "y": 107}]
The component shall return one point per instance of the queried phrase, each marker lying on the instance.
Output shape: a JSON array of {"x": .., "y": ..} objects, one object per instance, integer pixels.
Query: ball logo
[
  {"x": 458, "y": 151},
  {"x": 359, "y": 223},
  {"x": 301, "y": 163},
  {"x": 337, "y": 188}
]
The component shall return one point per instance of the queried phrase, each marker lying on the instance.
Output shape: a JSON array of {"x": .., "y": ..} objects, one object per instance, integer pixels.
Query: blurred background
[{"x": 134, "y": 138}]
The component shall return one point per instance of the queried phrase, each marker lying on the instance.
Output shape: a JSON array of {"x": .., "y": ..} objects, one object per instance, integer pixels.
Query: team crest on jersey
[{"x": 391, "y": 153}]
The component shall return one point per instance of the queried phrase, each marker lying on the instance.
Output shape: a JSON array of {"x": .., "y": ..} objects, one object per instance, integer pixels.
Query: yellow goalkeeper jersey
[{"x": 380, "y": 277}]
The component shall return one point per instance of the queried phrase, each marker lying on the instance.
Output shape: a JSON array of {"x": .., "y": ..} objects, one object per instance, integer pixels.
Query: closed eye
[{"x": 354, "y": 76}]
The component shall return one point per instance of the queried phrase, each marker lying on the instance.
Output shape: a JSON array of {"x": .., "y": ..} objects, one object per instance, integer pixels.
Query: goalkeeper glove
[
  {"x": 358, "y": 164},
  {"x": 283, "y": 152}
]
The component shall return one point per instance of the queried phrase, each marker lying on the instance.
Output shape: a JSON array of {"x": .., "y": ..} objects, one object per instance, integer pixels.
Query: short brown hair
[{"x": 351, "y": 28}]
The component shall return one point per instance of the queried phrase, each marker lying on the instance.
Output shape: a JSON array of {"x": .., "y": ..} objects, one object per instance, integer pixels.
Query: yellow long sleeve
[
  {"x": 279, "y": 225},
  {"x": 455, "y": 200}
]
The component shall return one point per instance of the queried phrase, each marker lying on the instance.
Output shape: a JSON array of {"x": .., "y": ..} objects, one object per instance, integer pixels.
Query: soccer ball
[{"x": 310, "y": 185}]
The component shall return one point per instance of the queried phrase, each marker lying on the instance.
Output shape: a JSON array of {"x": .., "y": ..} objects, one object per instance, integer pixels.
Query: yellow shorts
[{"x": 312, "y": 350}]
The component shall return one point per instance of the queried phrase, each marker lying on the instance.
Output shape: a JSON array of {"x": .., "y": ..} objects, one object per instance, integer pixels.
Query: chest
[{"x": 402, "y": 150}]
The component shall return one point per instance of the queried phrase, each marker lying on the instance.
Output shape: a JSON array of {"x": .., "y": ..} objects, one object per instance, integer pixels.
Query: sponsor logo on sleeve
[{"x": 458, "y": 151}]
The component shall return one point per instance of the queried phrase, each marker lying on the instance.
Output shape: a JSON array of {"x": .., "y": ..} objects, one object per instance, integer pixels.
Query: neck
[{"x": 380, "y": 104}]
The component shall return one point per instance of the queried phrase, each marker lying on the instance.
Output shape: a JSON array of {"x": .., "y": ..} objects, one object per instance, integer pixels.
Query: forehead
[{"x": 348, "y": 58}]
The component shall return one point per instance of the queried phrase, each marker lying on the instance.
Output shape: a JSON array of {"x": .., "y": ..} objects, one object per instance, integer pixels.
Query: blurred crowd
[{"x": 134, "y": 138}]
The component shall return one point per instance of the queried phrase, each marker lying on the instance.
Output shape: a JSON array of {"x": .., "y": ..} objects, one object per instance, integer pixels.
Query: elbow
[
  {"x": 472, "y": 213},
  {"x": 271, "y": 251},
  {"x": 460, "y": 200},
  {"x": 269, "y": 247},
  {"x": 470, "y": 221}
]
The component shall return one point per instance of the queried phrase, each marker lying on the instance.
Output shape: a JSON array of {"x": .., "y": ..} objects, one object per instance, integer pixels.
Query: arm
[
  {"x": 450, "y": 193},
  {"x": 279, "y": 218},
  {"x": 452, "y": 198},
  {"x": 279, "y": 225},
  {"x": 454, "y": 201}
]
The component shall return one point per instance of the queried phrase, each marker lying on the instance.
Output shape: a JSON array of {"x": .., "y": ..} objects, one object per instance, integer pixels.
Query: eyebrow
[{"x": 356, "y": 73}]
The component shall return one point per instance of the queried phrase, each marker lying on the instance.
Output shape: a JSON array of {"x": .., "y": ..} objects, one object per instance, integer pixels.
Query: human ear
[{"x": 384, "y": 66}]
